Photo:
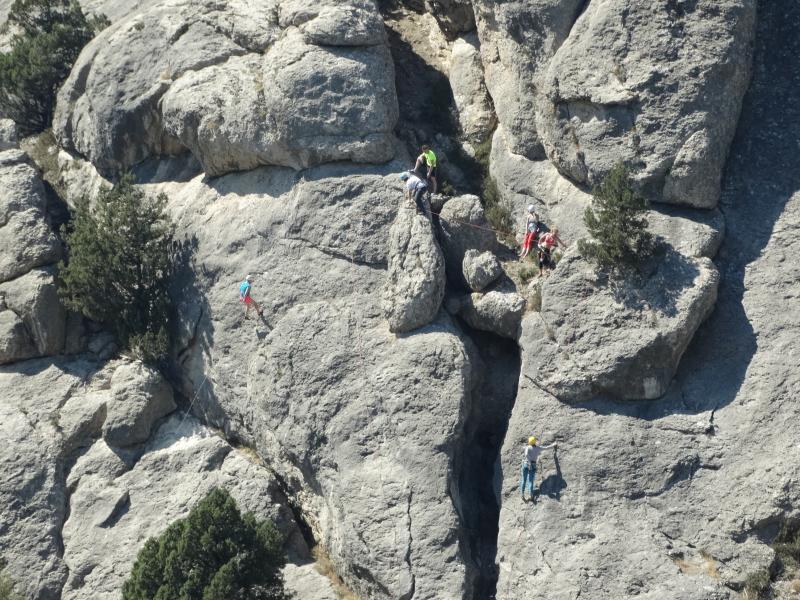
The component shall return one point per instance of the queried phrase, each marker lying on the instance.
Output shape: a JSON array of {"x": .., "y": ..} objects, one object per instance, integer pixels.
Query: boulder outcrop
[
  {"x": 625, "y": 340},
  {"x": 26, "y": 239},
  {"x": 475, "y": 112},
  {"x": 480, "y": 269},
  {"x": 498, "y": 311},
  {"x": 463, "y": 227},
  {"x": 77, "y": 511},
  {"x": 654, "y": 85},
  {"x": 37, "y": 323},
  {"x": 238, "y": 86},
  {"x": 415, "y": 282}
]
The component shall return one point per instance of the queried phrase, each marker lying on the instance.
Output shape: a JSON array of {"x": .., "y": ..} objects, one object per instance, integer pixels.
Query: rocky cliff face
[{"x": 380, "y": 406}]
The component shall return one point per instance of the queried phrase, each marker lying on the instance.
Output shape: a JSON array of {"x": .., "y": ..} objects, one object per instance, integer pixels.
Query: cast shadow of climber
[{"x": 552, "y": 485}]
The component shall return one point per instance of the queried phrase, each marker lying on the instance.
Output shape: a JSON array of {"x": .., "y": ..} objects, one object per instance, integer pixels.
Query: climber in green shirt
[{"x": 426, "y": 165}]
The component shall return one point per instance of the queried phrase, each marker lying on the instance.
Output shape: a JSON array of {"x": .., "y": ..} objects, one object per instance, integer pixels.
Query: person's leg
[
  {"x": 532, "y": 475},
  {"x": 524, "y": 478},
  {"x": 435, "y": 183},
  {"x": 418, "y": 200}
]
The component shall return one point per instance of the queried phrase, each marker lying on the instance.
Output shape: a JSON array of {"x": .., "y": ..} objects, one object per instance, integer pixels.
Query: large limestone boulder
[
  {"x": 463, "y": 227},
  {"x": 517, "y": 41},
  {"x": 139, "y": 396},
  {"x": 372, "y": 422},
  {"x": 618, "y": 338},
  {"x": 657, "y": 86},
  {"x": 15, "y": 342},
  {"x": 238, "y": 85},
  {"x": 654, "y": 85},
  {"x": 480, "y": 269},
  {"x": 497, "y": 311},
  {"x": 33, "y": 298},
  {"x": 475, "y": 112},
  {"x": 26, "y": 239},
  {"x": 415, "y": 282}
]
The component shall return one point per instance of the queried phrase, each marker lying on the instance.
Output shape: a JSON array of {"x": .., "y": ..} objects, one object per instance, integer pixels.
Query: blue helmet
[{"x": 404, "y": 176}]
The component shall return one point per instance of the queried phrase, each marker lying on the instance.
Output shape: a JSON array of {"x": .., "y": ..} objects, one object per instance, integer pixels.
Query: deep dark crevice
[{"x": 477, "y": 466}]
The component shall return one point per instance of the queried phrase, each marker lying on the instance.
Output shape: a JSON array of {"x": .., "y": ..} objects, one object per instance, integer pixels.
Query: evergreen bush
[
  {"x": 120, "y": 260},
  {"x": 215, "y": 553},
  {"x": 617, "y": 224},
  {"x": 49, "y": 36}
]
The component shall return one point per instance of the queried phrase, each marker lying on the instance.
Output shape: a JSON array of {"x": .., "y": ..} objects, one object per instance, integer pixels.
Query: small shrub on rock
[
  {"x": 7, "y": 587},
  {"x": 215, "y": 553},
  {"x": 119, "y": 265},
  {"x": 50, "y": 35},
  {"x": 616, "y": 223}
]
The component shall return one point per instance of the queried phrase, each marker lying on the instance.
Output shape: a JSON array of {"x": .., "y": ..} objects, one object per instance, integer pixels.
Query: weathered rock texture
[
  {"x": 595, "y": 336},
  {"x": 675, "y": 498},
  {"x": 77, "y": 510},
  {"x": 497, "y": 311},
  {"x": 321, "y": 388},
  {"x": 464, "y": 227},
  {"x": 480, "y": 269},
  {"x": 238, "y": 85},
  {"x": 475, "y": 112},
  {"x": 415, "y": 282},
  {"x": 26, "y": 240},
  {"x": 657, "y": 85}
]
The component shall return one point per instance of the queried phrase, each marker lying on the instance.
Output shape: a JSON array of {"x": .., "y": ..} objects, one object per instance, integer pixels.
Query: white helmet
[
  {"x": 531, "y": 207},
  {"x": 249, "y": 278}
]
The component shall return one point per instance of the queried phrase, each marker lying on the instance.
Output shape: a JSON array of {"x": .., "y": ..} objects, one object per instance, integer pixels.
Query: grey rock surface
[
  {"x": 194, "y": 77},
  {"x": 415, "y": 281},
  {"x": 651, "y": 84},
  {"x": 601, "y": 336},
  {"x": 115, "y": 507},
  {"x": 33, "y": 298},
  {"x": 139, "y": 396},
  {"x": 463, "y": 227},
  {"x": 517, "y": 41},
  {"x": 76, "y": 512},
  {"x": 320, "y": 387},
  {"x": 675, "y": 499},
  {"x": 15, "y": 343},
  {"x": 618, "y": 89},
  {"x": 26, "y": 240},
  {"x": 480, "y": 269},
  {"x": 475, "y": 111},
  {"x": 497, "y": 311}
]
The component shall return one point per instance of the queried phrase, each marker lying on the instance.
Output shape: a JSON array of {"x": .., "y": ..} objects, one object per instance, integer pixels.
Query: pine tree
[
  {"x": 120, "y": 260},
  {"x": 617, "y": 224},
  {"x": 215, "y": 553},
  {"x": 50, "y": 35}
]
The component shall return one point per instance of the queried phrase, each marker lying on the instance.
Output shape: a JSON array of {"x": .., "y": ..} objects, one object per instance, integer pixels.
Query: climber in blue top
[{"x": 246, "y": 299}]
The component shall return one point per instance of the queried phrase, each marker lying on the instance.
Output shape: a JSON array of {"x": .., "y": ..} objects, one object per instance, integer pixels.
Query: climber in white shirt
[{"x": 530, "y": 458}]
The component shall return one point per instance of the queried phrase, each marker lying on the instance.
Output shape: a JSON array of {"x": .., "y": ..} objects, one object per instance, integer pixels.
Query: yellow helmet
[{"x": 531, "y": 441}]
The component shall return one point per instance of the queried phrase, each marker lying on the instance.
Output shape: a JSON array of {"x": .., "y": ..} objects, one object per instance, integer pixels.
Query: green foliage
[
  {"x": 7, "y": 585},
  {"x": 50, "y": 36},
  {"x": 215, "y": 553},
  {"x": 617, "y": 224},
  {"x": 757, "y": 584},
  {"x": 787, "y": 547},
  {"x": 119, "y": 265}
]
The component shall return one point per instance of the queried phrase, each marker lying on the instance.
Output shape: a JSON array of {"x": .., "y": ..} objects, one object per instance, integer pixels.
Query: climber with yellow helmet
[{"x": 530, "y": 458}]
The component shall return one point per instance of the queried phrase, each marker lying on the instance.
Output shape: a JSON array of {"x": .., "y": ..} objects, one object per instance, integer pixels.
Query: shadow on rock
[{"x": 552, "y": 485}]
